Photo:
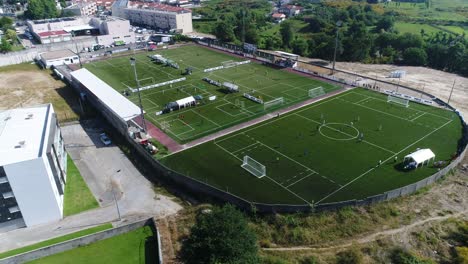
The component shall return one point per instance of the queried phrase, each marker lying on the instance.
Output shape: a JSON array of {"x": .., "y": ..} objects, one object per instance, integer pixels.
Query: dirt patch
[
  {"x": 435, "y": 82},
  {"x": 27, "y": 85}
]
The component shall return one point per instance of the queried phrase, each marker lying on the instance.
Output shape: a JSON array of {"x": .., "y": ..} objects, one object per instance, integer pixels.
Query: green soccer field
[
  {"x": 207, "y": 117},
  {"x": 314, "y": 155}
]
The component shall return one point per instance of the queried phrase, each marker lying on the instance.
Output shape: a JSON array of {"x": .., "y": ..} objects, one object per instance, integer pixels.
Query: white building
[
  {"x": 105, "y": 29},
  {"x": 59, "y": 57},
  {"x": 33, "y": 165},
  {"x": 154, "y": 15},
  {"x": 82, "y": 9}
]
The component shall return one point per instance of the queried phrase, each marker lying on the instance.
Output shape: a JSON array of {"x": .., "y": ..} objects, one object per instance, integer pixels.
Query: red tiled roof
[
  {"x": 278, "y": 15},
  {"x": 53, "y": 33},
  {"x": 160, "y": 7}
]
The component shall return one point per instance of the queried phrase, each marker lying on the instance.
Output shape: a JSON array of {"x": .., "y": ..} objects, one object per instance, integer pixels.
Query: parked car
[{"x": 105, "y": 139}]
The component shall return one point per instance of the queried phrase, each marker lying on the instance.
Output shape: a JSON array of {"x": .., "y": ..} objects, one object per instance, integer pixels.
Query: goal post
[
  {"x": 397, "y": 100},
  {"x": 254, "y": 167},
  {"x": 228, "y": 64},
  {"x": 273, "y": 103},
  {"x": 316, "y": 92}
]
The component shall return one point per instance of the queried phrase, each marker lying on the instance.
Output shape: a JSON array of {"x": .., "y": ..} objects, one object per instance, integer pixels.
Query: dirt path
[{"x": 374, "y": 236}]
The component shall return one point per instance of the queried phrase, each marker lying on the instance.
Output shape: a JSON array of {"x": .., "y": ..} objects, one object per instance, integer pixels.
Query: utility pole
[
  {"x": 450, "y": 96},
  {"x": 113, "y": 195},
  {"x": 133, "y": 63},
  {"x": 338, "y": 25},
  {"x": 76, "y": 47}
]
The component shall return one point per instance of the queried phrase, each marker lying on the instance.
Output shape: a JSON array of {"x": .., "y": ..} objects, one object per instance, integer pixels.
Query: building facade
[
  {"x": 113, "y": 29},
  {"x": 33, "y": 165},
  {"x": 154, "y": 15},
  {"x": 59, "y": 57},
  {"x": 83, "y": 9}
]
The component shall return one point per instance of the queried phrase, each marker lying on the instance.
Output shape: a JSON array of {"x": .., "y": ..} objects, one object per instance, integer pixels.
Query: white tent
[
  {"x": 186, "y": 102},
  {"x": 421, "y": 156}
]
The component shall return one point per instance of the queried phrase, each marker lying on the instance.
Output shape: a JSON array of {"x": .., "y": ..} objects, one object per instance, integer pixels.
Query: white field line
[
  {"x": 358, "y": 177},
  {"x": 291, "y": 159},
  {"x": 418, "y": 116},
  {"x": 344, "y": 133},
  {"x": 245, "y": 147},
  {"x": 284, "y": 115},
  {"x": 360, "y": 101},
  {"x": 380, "y": 99},
  {"x": 227, "y": 113},
  {"x": 295, "y": 194},
  {"x": 307, "y": 176},
  {"x": 206, "y": 118},
  {"x": 227, "y": 151}
]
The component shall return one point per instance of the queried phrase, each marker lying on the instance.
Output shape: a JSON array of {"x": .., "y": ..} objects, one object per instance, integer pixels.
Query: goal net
[
  {"x": 228, "y": 64},
  {"x": 398, "y": 100},
  {"x": 315, "y": 92},
  {"x": 273, "y": 103},
  {"x": 254, "y": 167}
]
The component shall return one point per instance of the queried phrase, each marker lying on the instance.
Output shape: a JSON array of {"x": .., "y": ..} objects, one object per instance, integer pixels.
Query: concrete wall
[
  {"x": 29, "y": 55},
  {"x": 78, "y": 242},
  {"x": 35, "y": 191}
]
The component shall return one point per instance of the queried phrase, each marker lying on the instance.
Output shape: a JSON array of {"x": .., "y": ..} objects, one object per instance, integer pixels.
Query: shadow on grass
[{"x": 151, "y": 250}]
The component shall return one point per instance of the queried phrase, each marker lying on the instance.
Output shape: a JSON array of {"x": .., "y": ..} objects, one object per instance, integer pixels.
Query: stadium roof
[
  {"x": 22, "y": 133},
  {"x": 120, "y": 105},
  {"x": 421, "y": 155}
]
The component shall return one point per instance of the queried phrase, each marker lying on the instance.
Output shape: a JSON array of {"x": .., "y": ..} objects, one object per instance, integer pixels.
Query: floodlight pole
[
  {"x": 133, "y": 63},
  {"x": 451, "y": 91},
  {"x": 76, "y": 47},
  {"x": 338, "y": 25},
  {"x": 113, "y": 195}
]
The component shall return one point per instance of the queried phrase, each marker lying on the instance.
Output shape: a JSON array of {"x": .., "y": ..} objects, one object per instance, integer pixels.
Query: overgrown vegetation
[
  {"x": 367, "y": 33},
  {"x": 220, "y": 235}
]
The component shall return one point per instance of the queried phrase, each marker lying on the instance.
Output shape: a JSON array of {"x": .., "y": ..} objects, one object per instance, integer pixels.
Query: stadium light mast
[
  {"x": 133, "y": 63},
  {"x": 339, "y": 23}
]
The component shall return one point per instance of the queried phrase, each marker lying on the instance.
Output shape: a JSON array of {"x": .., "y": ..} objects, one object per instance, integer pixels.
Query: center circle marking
[{"x": 351, "y": 137}]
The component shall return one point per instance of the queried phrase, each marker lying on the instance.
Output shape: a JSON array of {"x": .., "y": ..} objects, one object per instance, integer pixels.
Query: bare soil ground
[
  {"x": 435, "y": 82},
  {"x": 27, "y": 85}
]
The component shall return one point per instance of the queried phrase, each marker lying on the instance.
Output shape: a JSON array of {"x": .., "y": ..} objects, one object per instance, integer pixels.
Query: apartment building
[{"x": 154, "y": 15}]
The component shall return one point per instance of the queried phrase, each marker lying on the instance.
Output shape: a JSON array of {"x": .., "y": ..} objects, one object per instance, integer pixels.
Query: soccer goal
[
  {"x": 316, "y": 92},
  {"x": 273, "y": 103},
  {"x": 254, "y": 167},
  {"x": 228, "y": 64},
  {"x": 398, "y": 100}
]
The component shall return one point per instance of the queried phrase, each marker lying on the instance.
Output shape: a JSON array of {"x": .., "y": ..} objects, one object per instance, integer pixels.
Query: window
[
  {"x": 13, "y": 209},
  {"x": 8, "y": 195},
  {"x": 3, "y": 179},
  {"x": 128, "y": 36}
]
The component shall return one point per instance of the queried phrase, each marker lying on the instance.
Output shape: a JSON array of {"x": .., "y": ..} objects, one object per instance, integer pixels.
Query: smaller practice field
[
  {"x": 325, "y": 152},
  {"x": 261, "y": 82},
  {"x": 137, "y": 246}
]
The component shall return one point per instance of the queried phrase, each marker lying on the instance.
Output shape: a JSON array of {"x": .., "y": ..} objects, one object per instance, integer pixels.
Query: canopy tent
[{"x": 421, "y": 156}]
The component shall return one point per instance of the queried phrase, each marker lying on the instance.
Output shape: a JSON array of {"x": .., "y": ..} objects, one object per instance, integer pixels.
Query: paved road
[{"x": 98, "y": 165}]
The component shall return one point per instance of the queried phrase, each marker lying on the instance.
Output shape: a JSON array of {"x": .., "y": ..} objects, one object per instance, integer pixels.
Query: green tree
[
  {"x": 299, "y": 46},
  {"x": 415, "y": 57},
  {"x": 5, "y": 22},
  {"x": 5, "y": 45},
  {"x": 220, "y": 236},
  {"x": 287, "y": 34},
  {"x": 224, "y": 32},
  {"x": 352, "y": 256},
  {"x": 40, "y": 9},
  {"x": 385, "y": 23},
  {"x": 10, "y": 34}
]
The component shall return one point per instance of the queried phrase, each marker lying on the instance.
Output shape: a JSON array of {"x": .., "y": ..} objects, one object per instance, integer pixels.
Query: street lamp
[
  {"x": 113, "y": 195},
  {"x": 338, "y": 25},
  {"x": 133, "y": 63}
]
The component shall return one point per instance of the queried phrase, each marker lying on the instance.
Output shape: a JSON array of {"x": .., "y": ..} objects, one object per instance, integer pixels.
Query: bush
[
  {"x": 401, "y": 256},
  {"x": 220, "y": 236},
  {"x": 462, "y": 255},
  {"x": 352, "y": 256}
]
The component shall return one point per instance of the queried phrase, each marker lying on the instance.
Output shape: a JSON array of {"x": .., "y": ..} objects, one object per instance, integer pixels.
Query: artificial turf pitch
[
  {"x": 188, "y": 124},
  {"x": 314, "y": 155}
]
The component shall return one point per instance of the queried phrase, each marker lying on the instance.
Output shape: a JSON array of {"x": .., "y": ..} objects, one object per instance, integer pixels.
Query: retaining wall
[
  {"x": 82, "y": 241},
  {"x": 160, "y": 172}
]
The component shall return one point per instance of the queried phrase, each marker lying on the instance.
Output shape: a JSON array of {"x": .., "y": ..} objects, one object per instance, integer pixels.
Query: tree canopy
[
  {"x": 220, "y": 236},
  {"x": 40, "y": 9}
]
